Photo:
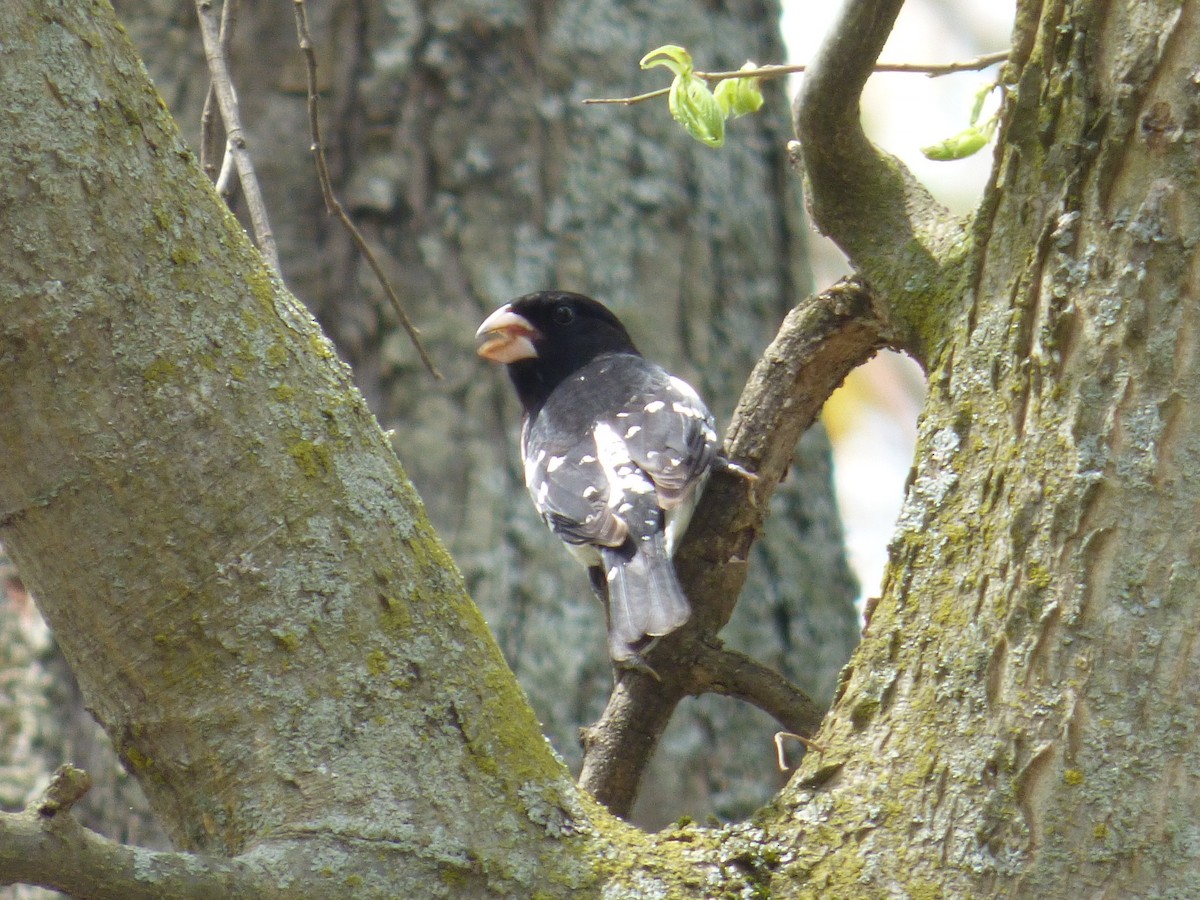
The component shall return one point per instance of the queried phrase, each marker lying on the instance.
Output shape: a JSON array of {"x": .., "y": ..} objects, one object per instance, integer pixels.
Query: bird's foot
[
  {"x": 633, "y": 663},
  {"x": 725, "y": 464}
]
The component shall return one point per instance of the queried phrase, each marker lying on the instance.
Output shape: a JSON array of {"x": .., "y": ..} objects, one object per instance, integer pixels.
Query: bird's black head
[{"x": 544, "y": 337}]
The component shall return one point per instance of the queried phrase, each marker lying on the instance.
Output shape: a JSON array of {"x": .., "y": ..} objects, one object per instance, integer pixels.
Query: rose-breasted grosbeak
[{"x": 615, "y": 451}]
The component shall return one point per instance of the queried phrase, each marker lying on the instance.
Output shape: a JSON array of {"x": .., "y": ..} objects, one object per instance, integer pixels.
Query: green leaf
[
  {"x": 739, "y": 96},
  {"x": 694, "y": 107},
  {"x": 971, "y": 139},
  {"x": 674, "y": 58},
  {"x": 980, "y": 97},
  {"x": 691, "y": 103},
  {"x": 966, "y": 143}
]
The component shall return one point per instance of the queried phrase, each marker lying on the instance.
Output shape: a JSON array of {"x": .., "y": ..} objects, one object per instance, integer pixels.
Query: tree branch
[
  {"x": 618, "y": 747},
  {"x": 209, "y": 135},
  {"x": 719, "y": 670},
  {"x": 235, "y": 137},
  {"x": 904, "y": 242},
  {"x": 44, "y": 845},
  {"x": 933, "y": 70},
  {"x": 819, "y": 343}
]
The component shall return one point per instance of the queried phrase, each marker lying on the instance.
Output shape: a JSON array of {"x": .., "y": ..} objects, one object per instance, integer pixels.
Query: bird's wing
[
  {"x": 613, "y": 446},
  {"x": 570, "y": 488},
  {"x": 670, "y": 435}
]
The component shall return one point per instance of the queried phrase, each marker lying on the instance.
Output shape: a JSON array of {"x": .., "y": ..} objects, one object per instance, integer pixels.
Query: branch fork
[{"x": 819, "y": 343}]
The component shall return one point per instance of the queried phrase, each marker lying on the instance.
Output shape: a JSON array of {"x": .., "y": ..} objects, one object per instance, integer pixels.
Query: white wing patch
[
  {"x": 622, "y": 473},
  {"x": 531, "y": 465},
  {"x": 686, "y": 389}
]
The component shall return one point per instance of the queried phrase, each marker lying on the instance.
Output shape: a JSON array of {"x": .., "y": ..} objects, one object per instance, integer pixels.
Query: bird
[{"x": 616, "y": 451}]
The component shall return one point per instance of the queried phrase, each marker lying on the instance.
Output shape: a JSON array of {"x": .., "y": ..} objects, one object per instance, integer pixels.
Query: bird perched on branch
[{"x": 615, "y": 450}]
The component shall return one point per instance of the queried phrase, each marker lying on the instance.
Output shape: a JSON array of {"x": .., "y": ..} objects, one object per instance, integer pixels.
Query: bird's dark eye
[{"x": 563, "y": 315}]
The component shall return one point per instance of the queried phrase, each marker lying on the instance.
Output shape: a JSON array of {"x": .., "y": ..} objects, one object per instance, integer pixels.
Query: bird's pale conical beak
[{"x": 506, "y": 337}]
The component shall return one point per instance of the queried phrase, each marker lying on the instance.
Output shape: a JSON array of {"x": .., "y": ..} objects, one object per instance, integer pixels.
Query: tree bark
[
  {"x": 311, "y": 573},
  {"x": 1017, "y": 721},
  {"x": 278, "y": 633}
]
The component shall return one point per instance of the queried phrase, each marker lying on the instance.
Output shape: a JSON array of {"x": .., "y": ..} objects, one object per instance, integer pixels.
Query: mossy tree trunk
[
  {"x": 1020, "y": 717},
  {"x": 676, "y": 236},
  {"x": 235, "y": 566}
]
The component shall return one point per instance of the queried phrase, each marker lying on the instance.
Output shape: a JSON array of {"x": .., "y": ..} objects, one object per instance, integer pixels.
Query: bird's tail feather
[{"x": 644, "y": 596}]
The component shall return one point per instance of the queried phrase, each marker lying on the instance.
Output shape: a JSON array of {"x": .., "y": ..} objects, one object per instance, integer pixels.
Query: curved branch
[
  {"x": 905, "y": 243},
  {"x": 618, "y": 747},
  {"x": 837, "y": 76},
  {"x": 732, "y": 674},
  {"x": 819, "y": 343}
]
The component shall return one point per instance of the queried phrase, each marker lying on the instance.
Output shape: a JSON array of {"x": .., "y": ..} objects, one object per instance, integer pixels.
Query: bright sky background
[{"x": 872, "y": 420}]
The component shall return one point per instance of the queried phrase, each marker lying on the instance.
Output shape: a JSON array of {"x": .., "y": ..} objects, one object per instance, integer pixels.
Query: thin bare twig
[
  {"x": 332, "y": 205},
  {"x": 218, "y": 68},
  {"x": 209, "y": 138},
  {"x": 225, "y": 178},
  {"x": 781, "y": 757},
  {"x": 933, "y": 70}
]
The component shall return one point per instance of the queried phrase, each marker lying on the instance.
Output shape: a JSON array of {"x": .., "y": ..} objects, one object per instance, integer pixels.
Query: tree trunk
[
  {"x": 1019, "y": 719},
  {"x": 728, "y": 229},
  {"x": 278, "y": 633}
]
